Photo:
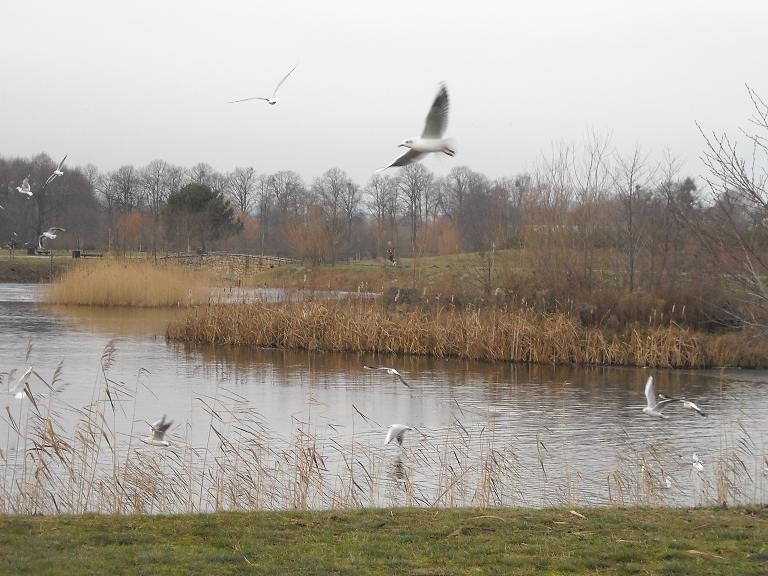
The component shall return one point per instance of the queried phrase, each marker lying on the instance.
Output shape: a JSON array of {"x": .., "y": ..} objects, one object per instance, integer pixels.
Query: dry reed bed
[
  {"x": 130, "y": 283},
  {"x": 96, "y": 463},
  {"x": 499, "y": 335}
]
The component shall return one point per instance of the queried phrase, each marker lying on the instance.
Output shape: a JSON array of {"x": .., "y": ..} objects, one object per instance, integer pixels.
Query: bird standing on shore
[{"x": 431, "y": 139}]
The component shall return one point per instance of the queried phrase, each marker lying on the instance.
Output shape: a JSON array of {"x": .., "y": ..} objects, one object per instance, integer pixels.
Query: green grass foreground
[{"x": 399, "y": 541}]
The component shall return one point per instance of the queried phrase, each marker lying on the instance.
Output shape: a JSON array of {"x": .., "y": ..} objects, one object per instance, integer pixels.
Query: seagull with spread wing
[
  {"x": 159, "y": 429},
  {"x": 654, "y": 408},
  {"x": 395, "y": 432},
  {"x": 56, "y": 173},
  {"x": 272, "y": 100},
  {"x": 50, "y": 234},
  {"x": 431, "y": 139},
  {"x": 390, "y": 371},
  {"x": 23, "y": 383},
  {"x": 25, "y": 188},
  {"x": 686, "y": 404}
]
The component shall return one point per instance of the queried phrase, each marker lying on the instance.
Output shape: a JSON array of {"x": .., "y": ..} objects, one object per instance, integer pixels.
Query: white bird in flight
[
  {"x": 24, "y": 188},
  {"x": 396, "y": 431},
  {"x": 431, "y": 139},
  {"x": 272, "y": 100},
  {"x": 697, "y": 463},
  {"x": 654, "y": 408},
  {"x": 390, "y": 371},
  {"x": 685, "y": 403},
  {"x": 56, "y": 173},
  {"x": 50, "y": 234},
  {"x": 18, "y": 389},
  {"x": 158, "y": 433}
]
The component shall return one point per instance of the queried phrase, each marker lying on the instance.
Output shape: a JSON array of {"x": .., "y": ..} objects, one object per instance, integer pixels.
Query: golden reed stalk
[{"x": 494, "y": 334}]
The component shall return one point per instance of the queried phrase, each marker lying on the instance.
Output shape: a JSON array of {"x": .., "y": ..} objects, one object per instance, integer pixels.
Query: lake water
[{"x": 257, "y": 428}]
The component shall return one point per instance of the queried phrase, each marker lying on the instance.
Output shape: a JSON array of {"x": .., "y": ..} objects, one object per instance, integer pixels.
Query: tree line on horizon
[{"x": 581, "y": 211}]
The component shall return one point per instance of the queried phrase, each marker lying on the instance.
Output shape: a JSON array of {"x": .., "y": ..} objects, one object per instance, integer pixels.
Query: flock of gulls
[
  {"x": 26, "y": 190},
  {"x": 655, "y": 405},
  {"x": 431, "y": 140}
]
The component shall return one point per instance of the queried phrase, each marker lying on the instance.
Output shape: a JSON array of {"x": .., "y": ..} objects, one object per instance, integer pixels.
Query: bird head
[{"x": 406, "y": 143}]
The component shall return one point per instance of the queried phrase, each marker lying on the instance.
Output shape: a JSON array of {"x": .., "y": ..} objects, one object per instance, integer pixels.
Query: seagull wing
[
  {"x": 283, "y": 80},
  {"x": 402, "y": 379},
  {"x": 437, "y": 119},
  {"x": 58, "y": 168},
  {"x": 650, "y": 395},
  {"x": 252, "y": 98},
  {"x": 50, "y": 179},
  {"x": 56, "y": 229},
  {"x": 407, "y": 158}
]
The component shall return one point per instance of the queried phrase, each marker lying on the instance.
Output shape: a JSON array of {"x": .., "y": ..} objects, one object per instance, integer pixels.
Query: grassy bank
[
  {"x": 398, "y": 541},
  {"x": 495, "y": 334},
  {"x": 30, "y": 269}
]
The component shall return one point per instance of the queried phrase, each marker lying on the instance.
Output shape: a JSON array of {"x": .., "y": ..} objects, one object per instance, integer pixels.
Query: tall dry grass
[
  {"x": 521, "y": 335},
  {"x": 130, "y": 283},
  {"x": 95, "y": 462}
]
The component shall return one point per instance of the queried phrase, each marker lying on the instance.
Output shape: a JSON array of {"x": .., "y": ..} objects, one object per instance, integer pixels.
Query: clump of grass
[
  {"x": 494, "y": 334},
  {"x": 130, "y": 283}
]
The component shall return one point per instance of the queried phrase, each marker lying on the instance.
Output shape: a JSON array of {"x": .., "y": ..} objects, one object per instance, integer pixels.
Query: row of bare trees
[{"x": 583, "y": 211}]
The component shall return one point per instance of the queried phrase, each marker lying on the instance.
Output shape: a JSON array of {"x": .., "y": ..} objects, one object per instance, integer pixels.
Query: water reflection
[{"x": 313, "y": 424}]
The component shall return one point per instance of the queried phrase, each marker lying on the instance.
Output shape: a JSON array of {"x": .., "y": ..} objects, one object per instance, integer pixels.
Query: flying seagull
[
  {"x": 23, "y": 382},
  {"x": 50, "y": 234},
  {"x": 24, "y": 188},
  {"x": 431, "y": 139},
  {"x": 697, "y": 463},
  {"x": 56, "y": 173},
  {"x": 654, "y": 408},
  {"x": 272, "y": 100},
  {"x": 396, "y": 431},
  {"x": 685, "y": 403},
  {"x": 158, "y": 433},
  {"x": 390, "y": 371}
]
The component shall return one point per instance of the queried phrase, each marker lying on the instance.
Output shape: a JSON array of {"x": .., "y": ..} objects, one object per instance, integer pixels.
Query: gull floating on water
[
  {"x": 158, "y": 433},
  {"x": 272, "y": 100},
  {"x": 396, "y": 432},
  {"x": 685, "y": 403},
  {"x": 18, "y": 389},
  {"x": 24, "y": 188},
  {"x": 654, "y": 408},
  {"x": 390, "y": 371},
  {"x": 56, "y": 173},
  {"x": 431, "y": 139}
]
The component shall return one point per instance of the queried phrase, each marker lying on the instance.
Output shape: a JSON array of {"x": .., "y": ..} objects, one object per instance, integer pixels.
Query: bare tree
[
  {"x": 633, "y": 184},
  {"x": 734, "y": 230},
  {"x": 414, "y": 182},
  {"x": 382, "y": 202},
  {"x": 155, "y": 193},
  {"x": 242, "y": 183}
]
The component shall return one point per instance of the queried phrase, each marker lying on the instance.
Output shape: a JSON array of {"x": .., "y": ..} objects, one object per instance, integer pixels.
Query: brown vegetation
[
  {"x": 498, "y": 334},
  {"x": 130, "y": 283}
]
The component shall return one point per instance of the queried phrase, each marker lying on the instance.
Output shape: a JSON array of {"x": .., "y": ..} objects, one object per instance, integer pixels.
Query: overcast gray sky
[{"x": 116, "y": 83}]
